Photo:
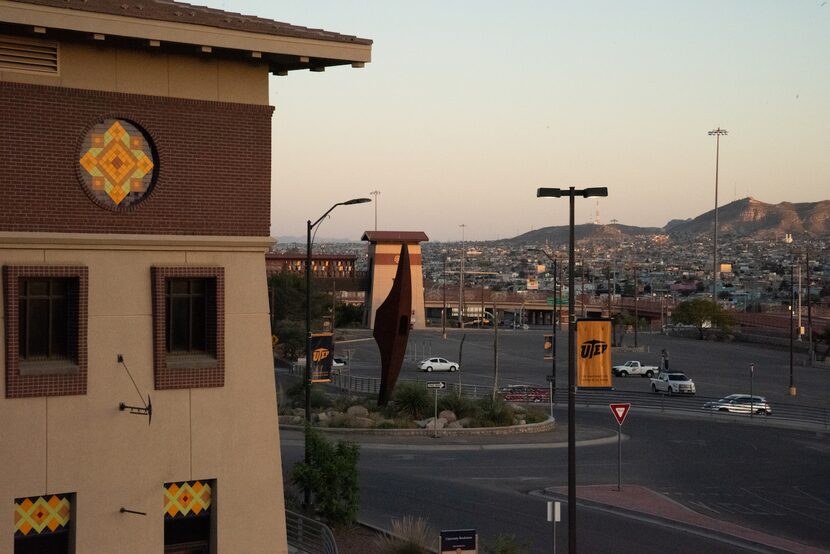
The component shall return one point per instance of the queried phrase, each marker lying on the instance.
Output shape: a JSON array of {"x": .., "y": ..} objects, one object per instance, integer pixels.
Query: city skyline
[{"x": 467, "y": 108}]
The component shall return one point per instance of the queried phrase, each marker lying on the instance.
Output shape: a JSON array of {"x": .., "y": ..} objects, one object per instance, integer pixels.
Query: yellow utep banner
[{"x": 593, "y": 353}]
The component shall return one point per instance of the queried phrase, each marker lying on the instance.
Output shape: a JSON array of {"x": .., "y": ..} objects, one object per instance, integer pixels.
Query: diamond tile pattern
[
  {"x": 117, "y": 161},
  {"x": 41, "y": 514},
  {"x": 187, "y": 499}
]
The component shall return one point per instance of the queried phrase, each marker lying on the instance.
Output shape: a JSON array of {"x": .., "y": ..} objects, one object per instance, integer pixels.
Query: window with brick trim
[
  {"x": 45, "y": 310},
  {"x": 188, "y": 327}
]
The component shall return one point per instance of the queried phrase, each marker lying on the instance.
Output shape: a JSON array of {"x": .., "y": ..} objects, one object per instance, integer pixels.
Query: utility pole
[
  {"x": 375, "y": 193},
  {"x": 717, "y": 133},
  {"x": 444, "y": 311},
  {"x": 461, "y": 281}
]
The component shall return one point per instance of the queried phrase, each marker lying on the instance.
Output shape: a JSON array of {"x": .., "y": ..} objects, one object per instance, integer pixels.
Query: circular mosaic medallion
[{"x": 117, "y": 163}]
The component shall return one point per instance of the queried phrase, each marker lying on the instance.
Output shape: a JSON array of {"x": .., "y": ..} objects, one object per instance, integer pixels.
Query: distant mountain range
[{"x": 745, "y": 217}]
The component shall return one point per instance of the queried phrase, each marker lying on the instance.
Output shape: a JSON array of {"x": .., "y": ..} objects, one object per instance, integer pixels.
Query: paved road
[
  {"x": 768, "y": 480},
  {"x": 718, "y": 369}
]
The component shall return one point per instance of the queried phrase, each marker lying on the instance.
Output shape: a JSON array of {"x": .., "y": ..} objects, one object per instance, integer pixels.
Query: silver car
[
  {"x": 740, "y": 404},
  {"x": 437, "y": 364}
]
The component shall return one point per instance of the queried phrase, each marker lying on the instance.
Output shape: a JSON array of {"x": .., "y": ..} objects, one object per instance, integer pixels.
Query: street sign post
[
  {"x": 554, "y": 517},
  {"x": 619, "y": 411},
  {"x": 436, "y": 385}
]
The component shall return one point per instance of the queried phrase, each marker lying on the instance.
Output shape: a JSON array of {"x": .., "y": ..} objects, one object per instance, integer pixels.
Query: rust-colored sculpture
[{"x": 392, "y": 321}]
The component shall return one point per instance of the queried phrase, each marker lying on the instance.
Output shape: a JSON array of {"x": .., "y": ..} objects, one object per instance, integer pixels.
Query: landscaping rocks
[{"x": 357, "y": 411}]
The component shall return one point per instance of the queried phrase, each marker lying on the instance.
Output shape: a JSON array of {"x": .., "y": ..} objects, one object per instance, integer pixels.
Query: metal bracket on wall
[
  {"x": 147, "y": 409},
  {"x": 124, "y": 510}
]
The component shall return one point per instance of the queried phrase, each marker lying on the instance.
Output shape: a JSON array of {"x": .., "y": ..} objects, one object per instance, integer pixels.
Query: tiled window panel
[
  {"x": 205, "y": 368},
  {"x": 30, "y": 378}
]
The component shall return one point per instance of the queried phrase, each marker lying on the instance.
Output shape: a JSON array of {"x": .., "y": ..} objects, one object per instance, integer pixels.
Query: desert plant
[
  {"x": 331, "y": 476},
  {"x": 409, "y": 535},
  {"x": 411, "y": 399},
  {"x": 506, "y": 544},
  {"x": 459, "y": 404},
  {"x": 317, "y": 398},
  {"x": 494, "y": 412}
]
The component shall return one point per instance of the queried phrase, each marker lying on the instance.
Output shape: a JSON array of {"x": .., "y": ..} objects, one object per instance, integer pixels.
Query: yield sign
[{"x": 620, "y": 411}]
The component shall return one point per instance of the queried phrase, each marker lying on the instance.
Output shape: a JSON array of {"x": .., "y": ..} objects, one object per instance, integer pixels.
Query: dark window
[
  {"x": 191, "y": 312},
  {"x": 45, "y": 323}
]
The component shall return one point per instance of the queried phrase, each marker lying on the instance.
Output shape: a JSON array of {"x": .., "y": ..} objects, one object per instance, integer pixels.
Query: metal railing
[
  {"x": 781, "y": 412},
  {"x": 309, "y": 535}
]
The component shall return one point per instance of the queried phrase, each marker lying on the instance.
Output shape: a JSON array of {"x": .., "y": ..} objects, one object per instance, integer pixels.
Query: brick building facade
[{"x": 136, "y": 368}]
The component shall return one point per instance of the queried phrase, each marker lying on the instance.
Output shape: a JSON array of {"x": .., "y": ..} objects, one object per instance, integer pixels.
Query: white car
[
  {"x": 740, "y": 404},
  {"x": 437, "y": 364}
]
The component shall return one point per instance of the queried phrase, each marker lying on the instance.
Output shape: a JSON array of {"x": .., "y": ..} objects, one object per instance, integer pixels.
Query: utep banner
[
  {"x": 550, "y": 347},
  {"x": 593, "y": 353},
  {"x": 322, "y": 352}
]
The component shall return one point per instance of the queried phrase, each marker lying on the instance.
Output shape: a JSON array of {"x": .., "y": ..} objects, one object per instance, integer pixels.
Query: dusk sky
[{"x": 469, "y": 106}]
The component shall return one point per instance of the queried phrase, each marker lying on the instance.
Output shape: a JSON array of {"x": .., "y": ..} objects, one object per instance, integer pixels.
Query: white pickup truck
[
  {"x": 672, "y": 383},
  {"x": 635, "y": 368}
]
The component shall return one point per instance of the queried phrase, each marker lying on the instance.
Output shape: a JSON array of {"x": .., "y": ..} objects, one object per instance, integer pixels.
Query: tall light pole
[
  {"x": 375, "y": 193},
  {"x": 552, "y": 315},
  {"x": 717, "y": 133},
  {"x": 571, "y": 193},
  {"x": 309, "y": 227},
  {"x": 461, "y": 281}
]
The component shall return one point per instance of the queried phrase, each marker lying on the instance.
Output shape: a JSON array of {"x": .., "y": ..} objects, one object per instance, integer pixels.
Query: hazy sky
[{"x": 469, "y": 106}]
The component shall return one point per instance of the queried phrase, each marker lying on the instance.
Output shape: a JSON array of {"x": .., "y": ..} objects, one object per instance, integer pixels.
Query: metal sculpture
[{"x": 392, "y": 323}]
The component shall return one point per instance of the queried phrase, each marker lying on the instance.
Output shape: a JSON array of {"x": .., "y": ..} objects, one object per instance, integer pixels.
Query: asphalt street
[{"x": 717, "y": 368}]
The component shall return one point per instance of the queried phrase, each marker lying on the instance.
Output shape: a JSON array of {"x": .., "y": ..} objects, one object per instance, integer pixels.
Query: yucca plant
[{"x": 409, "y": 535}]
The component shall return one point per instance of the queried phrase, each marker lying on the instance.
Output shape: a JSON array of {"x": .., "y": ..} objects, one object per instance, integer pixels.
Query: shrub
[
  {"x": 536, "y": 415},
  {"x": 494, "y": 412},
  {"x": 459, "y": 404},
  {"x": 331, "y": 476},
  {"x": 409, "y": 535},
  {"x": 506, "y": 544},
  {"x": 411, "y": 399},
  {"x": 318, "y": 399}
]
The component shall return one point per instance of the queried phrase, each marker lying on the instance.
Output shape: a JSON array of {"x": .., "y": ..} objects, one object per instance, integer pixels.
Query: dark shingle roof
[{"x": 180, "y": 12}]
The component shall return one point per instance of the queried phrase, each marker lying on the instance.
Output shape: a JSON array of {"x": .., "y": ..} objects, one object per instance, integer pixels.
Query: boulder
[
  {"x": 448, "y": 415},
  {"x": 464, "y": 421},
  {"x": 455, "y": 425},
  {"x": 357, "y": 411},
  {"x": 433, "y": 424},
  {"x": 361, "y": 422},
  {"x": 323, "y": 417}
]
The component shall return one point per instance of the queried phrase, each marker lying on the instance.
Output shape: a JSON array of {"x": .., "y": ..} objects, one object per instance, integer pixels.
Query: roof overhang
[{"x": 281, "y": 53}]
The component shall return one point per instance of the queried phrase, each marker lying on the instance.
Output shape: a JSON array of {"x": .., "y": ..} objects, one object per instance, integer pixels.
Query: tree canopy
[{"x": 702, "y": 313}]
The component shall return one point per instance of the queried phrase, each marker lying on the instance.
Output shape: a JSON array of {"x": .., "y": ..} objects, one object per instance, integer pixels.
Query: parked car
[
  {"x": 672, "y": 383},
  {"x": 740, "y": 404},
  {"x": 525, "y": 393},
  {"x": 437, "y": 364}
]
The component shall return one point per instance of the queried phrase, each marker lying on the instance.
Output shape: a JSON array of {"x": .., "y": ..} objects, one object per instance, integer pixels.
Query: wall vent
[{"x": 26, "y": 54}]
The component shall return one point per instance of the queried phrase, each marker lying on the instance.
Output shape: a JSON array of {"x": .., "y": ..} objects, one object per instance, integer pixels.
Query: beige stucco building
[
  {"x": 384, "y": 254},
  {"x": 135, "y": 154}
]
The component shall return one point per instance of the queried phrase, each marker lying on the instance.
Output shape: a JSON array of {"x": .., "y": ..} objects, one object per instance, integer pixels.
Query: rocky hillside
[{"x": 745, "y": 217}]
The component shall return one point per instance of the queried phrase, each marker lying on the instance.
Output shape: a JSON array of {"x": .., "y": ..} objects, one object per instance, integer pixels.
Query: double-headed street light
[
  {"x": 717, "y": 134},
  {"x": 309, "y": 227},
  {"x": 571, "y": 193}
]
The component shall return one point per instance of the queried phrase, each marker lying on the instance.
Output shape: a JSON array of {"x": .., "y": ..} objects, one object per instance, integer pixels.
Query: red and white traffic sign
[{"x": 620, "y": 411}]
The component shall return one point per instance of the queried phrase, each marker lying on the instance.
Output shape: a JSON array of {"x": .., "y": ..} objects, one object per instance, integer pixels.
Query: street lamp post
[
  {"x": 461, "y": 281},
  {"x": 309, "y": 227},
  {"x": 571, "y": 193},
  {"x": 717, "y": 134},
  {"x": 376, "y": 193},
  {"x": 553, "y": 313}
]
